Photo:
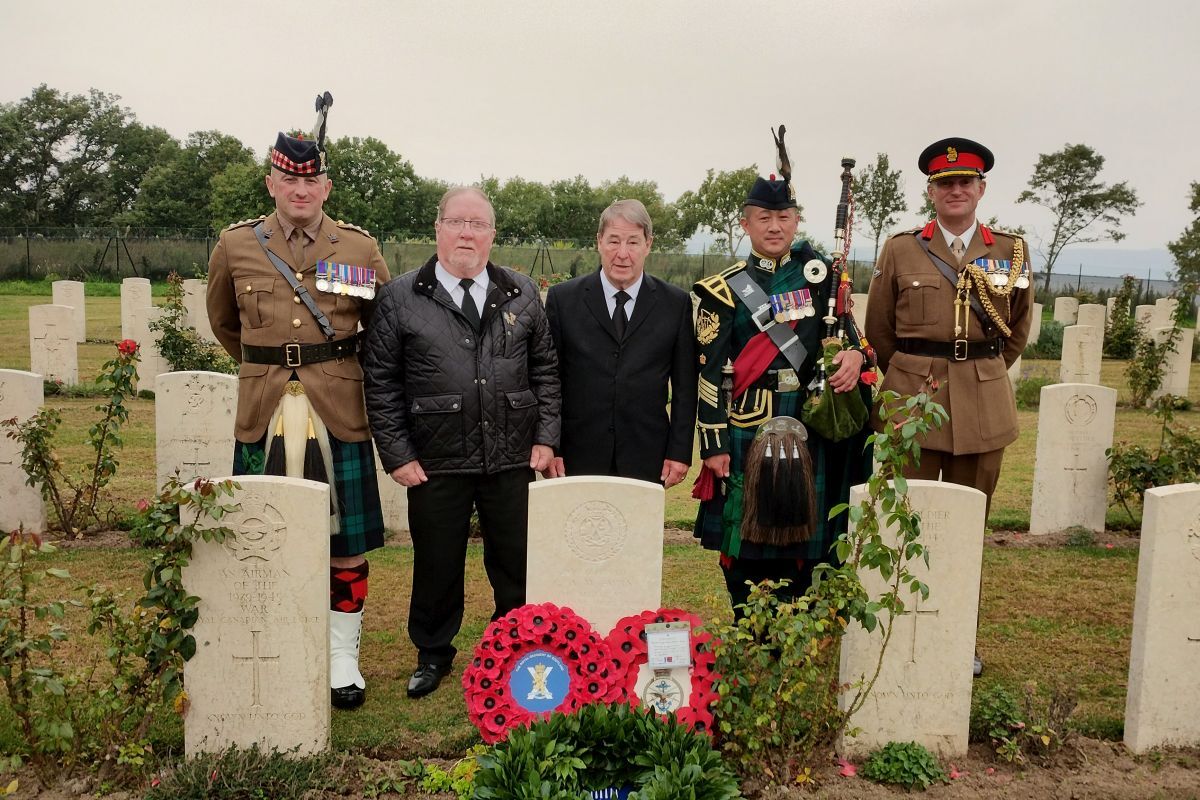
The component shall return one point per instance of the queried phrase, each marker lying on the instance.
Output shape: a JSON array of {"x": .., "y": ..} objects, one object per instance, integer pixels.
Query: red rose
[
  {"x": 869, "y": 377},
  {"x": 127, "y": 347}
]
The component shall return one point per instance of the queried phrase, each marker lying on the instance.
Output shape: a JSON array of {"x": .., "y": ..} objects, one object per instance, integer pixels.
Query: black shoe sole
[{"x": 347, "y": 697}]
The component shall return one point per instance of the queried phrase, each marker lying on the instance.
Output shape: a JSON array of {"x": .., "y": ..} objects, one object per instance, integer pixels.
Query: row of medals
[
  {"x": 345, "y": 279},
  {"x": 998, "y": 272},
  {"x": 791, "y": 306}
]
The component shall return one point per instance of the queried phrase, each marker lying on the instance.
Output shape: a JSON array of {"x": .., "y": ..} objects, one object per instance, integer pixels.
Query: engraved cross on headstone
[
  {"x": 256, "y": 659},
  {"x": 916, "y": 612},
  {"x": 196, "y": 463},
  {"x": 1075, "y": 470},
  {"x": 53, "y": 339}
]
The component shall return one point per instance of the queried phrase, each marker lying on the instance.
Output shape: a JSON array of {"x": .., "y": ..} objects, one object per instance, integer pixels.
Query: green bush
[
  {"x": 1049, "y": 343},
  {"x": 995, "y": 714},
  {"x": 179, "y": 343},
  {"x": 1121, "y": 335},
  {"x": 1028, "y": 390},
  {"x": 602, "y": 747},
  {"x": 906, "y": 764}
]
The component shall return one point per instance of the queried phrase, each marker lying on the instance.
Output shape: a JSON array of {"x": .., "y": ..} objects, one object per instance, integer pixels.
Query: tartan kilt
[
  {"x": 359, "y": 511},
  {"x": 836, "y": 467}
]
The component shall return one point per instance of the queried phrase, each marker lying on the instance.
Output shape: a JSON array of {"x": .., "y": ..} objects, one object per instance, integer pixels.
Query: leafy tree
[
  {"x": 57, "y": 161},
  {"x": 717, "y": 206},
  {"x": 372, "y": 185},
  {"x": 522, "y": 209},
  {"x": 1066, "y": 183},
  {"x": 575, "y": 210},
  {"x": 177, "y": 191},
  {"x": 238, "y": 192},
  {"x": 1186, "y": 249},
  {"x": 663, "y": 215},
  {"x": 879, "y": 197}
]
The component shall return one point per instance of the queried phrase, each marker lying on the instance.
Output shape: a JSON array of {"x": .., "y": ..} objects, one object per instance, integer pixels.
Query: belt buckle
[
  {"x": 763, "y": 311},
  {"x": 960, "y": 349},
  {"x": 787, "y": 380},
  {"x": 291, "y": 355}
]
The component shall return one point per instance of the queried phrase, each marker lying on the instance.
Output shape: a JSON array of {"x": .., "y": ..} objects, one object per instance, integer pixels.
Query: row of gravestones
[
  {"x": 596, "y": 547},
  {"x": 56, "y": 329},
  {"x": 194, "y": 421}
]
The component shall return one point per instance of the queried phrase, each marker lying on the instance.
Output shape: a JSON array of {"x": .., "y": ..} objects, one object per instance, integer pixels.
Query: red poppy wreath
[
  {"x": 627, "y": 642},
  {"x": 534, "y": 660}
]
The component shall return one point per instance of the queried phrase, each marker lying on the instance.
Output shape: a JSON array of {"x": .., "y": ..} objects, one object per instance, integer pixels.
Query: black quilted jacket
[{"x": 459, "y": 402}]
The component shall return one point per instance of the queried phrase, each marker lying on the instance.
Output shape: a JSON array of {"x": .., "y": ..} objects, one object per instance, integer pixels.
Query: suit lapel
[
  {"x": 593, "y": 298},
  {"x": 937, "y": 246},
  {"x": 644, "y": 307}
]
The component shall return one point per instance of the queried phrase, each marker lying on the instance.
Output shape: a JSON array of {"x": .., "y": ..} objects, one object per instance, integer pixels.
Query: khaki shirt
[{"x": 249, "y": 302}]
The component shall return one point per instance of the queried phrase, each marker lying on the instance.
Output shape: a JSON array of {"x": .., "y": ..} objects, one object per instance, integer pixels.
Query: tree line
[{"x": 83, "y": 160}]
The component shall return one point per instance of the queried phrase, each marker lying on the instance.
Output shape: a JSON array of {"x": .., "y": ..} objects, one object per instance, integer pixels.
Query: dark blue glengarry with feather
[{"x": 295, "y": 155}]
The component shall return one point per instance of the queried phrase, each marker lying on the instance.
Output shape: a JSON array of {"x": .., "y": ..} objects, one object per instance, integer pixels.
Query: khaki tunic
[
  {"x": 911, "y": 299},
  {"x": 250, "y": 303}
]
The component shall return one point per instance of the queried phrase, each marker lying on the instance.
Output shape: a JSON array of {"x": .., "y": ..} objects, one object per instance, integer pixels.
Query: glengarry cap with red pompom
[
  {"x": 296, "y": 155},
  {"x": 954, "y": 157}
]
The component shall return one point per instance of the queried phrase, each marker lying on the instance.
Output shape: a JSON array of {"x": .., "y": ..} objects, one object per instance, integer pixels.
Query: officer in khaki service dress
[
  {"x": 286, "y": 295},
  {"x": 950, "y": 302}
]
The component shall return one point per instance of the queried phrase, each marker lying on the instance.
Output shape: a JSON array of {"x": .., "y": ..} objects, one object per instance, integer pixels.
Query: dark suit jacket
[{"x": 615, "y": 394}]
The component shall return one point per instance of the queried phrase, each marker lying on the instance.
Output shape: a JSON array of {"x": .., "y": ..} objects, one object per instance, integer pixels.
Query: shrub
[
  {"x": 906, "y": 764},
  {"x": 1028, "y": 390},
  {"x": 1049, "y": 343},
  {"x": 179, "y": 343},
  {"x": 1122, "y": 333},
  {"x": 1132, "y": 469}
]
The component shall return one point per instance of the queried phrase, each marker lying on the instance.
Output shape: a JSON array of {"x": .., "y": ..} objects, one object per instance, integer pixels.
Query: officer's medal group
[{"x": 345, "y": 279}]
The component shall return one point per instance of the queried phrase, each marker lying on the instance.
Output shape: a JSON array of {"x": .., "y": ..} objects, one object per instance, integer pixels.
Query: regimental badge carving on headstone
[
  {"x": 1194, "y": 541},
  {"x": 596, "y": 531},
  {"x": 1080, "y": 409},
  {"x": 260, "y": 531}
]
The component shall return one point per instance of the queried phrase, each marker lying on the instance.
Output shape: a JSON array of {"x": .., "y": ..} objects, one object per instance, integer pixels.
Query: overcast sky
[{"x": 661, "y": 90}]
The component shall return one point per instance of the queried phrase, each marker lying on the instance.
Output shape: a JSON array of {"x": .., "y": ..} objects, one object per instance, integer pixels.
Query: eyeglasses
[{"x": 477, "y": 225}]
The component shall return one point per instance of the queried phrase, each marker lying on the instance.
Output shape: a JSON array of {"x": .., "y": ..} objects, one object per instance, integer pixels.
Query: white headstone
[
  {"x": 1070, "y": 473},
  {"x": 1144, "y": 316},
  {"x": 152, "y": 363},
  {"x": 394, "y": 499},
  {"x": 1109, "y": 306},
  {"x": 1065, "y": 310},
  {"x": 1164, "y": 312},
  {"x": 70, "y": 293},
  {"x": 196, "y": 309},
  {"x": 261, "y": 670},
  {"x": 53, "y": 352},
  {"x": 1177, "y": 371},
  {"x": 1162, "y": 703},
  {"x": 1035, "y": 324},
  {"x": 135, "y": 293},
  {"x": 859, "y": 308},
  {"x": 595, "y": 546},
  {"x": 194, "y": 414},
  {"x": 1014, "y": 372},
  {"x": 20, "y": 397},
  {"x": 1082, "y": 352},
  {"x": 923, "y": 693},
  {"x": 1092, "y": 314}
]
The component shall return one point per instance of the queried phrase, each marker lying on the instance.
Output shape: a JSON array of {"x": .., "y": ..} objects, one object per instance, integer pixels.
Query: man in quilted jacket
[{"x": 463, "y": 400}]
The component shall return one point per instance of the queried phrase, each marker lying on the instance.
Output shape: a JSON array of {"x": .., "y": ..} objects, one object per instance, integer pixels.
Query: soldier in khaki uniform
[
  {"x": 300, "y": 385},
  {"x": 913, "y": 324},
  {"x": 920, "y": 333}
]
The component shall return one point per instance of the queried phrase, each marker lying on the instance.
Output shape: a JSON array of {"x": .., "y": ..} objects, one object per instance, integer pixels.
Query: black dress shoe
[
  {"x": 347, "y": 697},
  {"x": 426, "y": 679}
]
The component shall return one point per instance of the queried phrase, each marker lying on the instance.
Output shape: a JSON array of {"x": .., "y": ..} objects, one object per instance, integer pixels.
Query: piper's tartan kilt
[
  {"x": 360, "y": 513},
  {"x": 836, "y": 467}
]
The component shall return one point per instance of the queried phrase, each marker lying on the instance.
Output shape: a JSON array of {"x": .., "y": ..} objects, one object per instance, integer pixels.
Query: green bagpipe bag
[{"x": 834, "y": 415}]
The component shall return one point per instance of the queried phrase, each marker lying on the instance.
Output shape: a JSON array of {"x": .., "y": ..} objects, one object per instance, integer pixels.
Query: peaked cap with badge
[
  {"x": 955, "y": 157},
  {"x": 289, "y": 312}
]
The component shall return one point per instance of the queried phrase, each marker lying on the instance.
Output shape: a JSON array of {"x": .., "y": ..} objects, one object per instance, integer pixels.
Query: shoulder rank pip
[
  {"x": 350, "y": 227},
  {"x": 717, "y": 286},
  {"x": 245, "y": 222}
]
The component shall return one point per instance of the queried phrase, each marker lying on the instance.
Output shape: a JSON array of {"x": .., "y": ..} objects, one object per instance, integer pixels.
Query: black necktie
[
  {"x": 619, "y": 318},
  {"x": 470, "y": 310}
]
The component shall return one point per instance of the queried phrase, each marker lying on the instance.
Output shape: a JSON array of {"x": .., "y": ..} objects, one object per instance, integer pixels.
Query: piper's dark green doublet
[{"x": 723, "y": 328}]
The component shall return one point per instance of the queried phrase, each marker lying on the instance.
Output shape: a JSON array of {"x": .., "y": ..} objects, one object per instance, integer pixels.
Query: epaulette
[
  {"x": 246, "y": 222},
  {"x": 908, "y": 232},
  {"x": 717, "y": 286},
  {"x": 348, "y": 226}
]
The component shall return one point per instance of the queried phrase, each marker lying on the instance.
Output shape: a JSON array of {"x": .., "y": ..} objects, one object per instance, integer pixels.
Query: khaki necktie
[
  {"x": 296, "y": 243},
  {"x": 958, "y": 248}
]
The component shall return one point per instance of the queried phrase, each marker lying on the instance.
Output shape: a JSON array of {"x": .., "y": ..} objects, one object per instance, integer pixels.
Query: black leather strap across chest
[{"x": 301, "y": 292}]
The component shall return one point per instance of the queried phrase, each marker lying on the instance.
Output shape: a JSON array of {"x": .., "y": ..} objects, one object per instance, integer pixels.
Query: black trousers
[{"x": 439, "y": 514}]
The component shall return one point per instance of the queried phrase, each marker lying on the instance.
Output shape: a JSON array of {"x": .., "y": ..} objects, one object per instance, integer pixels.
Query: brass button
[
  {"x": 249, "y": 288},
  {"x": 299, "y": 276},
  {"x": 295, "y": 323},
  {"x": 916, "y": 283},
  {"x": 296, "y": 298}
]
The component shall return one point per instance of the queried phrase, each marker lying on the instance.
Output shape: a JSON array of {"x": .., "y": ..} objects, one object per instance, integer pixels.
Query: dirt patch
[
  {"x": 110, "y": 539},
  {"x": 1109, "y": 539}
]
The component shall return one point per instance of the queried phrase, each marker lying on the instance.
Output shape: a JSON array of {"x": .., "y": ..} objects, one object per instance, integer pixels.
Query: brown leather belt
[
  {"x": 295, "y": 355},
  {"x": 958, "y": 350}
]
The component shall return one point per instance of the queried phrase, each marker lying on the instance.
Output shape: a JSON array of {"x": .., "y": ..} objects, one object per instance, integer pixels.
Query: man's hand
[
  {"x": 541, "y": 458},
  {"x": 846, "y": 378},
  {"x": 410, "y": 474},
  {"x": 673, "y": 472},
  {"x": 556, "y": 469},
  {"x": 719, "y": 464}
]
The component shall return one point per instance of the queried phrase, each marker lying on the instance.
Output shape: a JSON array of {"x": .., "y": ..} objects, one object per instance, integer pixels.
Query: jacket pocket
[
  {"x": 917, "y": 303},
  {"x": 347, "y": 311},
  {"x": 256, "y": 301},
  {"x": 521, "y": 409},
  {"x": 347, "y": 368},
  {"x": 995, "y": 406},
  {"x": 438, "y": 425}
]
